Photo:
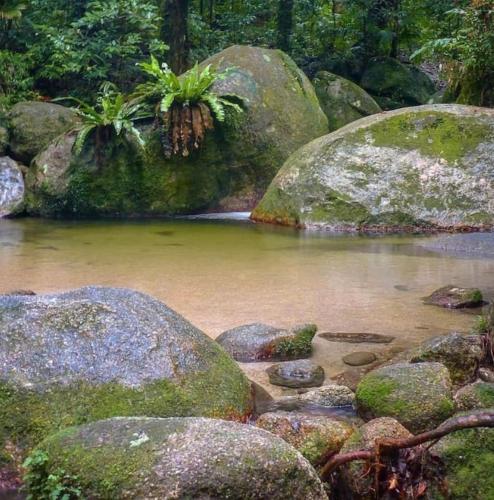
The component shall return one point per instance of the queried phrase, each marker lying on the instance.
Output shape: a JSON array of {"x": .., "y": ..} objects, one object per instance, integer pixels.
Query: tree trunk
[
  {"x": 174, "y": 32},
  {"x": 285, "y": 24}
]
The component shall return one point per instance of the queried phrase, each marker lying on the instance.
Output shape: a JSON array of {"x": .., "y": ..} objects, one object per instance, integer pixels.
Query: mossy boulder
[
  {"x": 418, "y": 395},
  {"x": 455, "y": 297},
  {"x": 11, "y": 187},
  {"x": 315, "y": 436},
  {"x": 33, "y": 125},
  {"x": 260, "y": 342},
  {"x": 230, "y": 171},
  {"x": 397, "y": 84},
  {"x": 4, "y": 140},
  {"x": 475, "y": 396},
  {"x": 341, "y": 100},
  {"x": 424, "y": 168},
  {"x": 353, "y": 479},
  {"x": 129, "y": 458},
  {"x": 95, "y": 352},
  {"x": 468, "y": 458},
  {"x": 459, "y": 353}
]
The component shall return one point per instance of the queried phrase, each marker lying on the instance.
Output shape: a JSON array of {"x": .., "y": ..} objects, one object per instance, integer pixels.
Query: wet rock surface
[
  {"x": 359, "y": 358},
  {"x": 259, "y": 342},
  {"x": 99, "y": 352},
  {"x": 455, "y": 297},
  {"x": 11, "y": 187},
  {"x": 180, "y": 458},
  {"x": 418, "y": 395},
  {"x": 300, "y": 373},
  {"x": 314, "y": 436}
]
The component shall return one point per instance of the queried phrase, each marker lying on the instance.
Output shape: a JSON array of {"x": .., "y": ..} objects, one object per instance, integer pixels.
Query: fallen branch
[{"x": 387, "y": 446}]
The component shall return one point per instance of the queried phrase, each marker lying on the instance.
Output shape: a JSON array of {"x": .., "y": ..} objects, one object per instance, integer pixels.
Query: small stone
[
  {"x": 19, "y": 292},
  {"x": 315, "y": 436},
  {"x": 359, "y": 358},
  {"x": 357, "y": 338},
  {"x": 486, "y": 375},
  {"x": 454, "y": 297},
  {"x": 475, "y": 396},
  {"x": 330, "y": 396},
  {"x": 300, "y": 373}
]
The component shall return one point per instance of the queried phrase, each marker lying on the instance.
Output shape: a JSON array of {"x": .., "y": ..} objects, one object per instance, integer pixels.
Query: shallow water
[{"x": 220, "y": 274}]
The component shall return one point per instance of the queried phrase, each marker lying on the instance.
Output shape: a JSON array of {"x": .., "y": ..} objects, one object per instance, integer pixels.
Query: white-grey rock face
[
  {"x": 11, "y": 187},
  {"x": 429, "y": 166}
]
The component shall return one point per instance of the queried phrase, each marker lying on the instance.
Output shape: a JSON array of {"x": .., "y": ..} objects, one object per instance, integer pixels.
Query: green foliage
[
  {"x": 16, "y": 82},
  {"x": 11, "y": 9},
  {"x": 467, "y": 52},
  {"x": 192, "y": 88},
  {"x": 113, "y": 116},
  {"x": 43, "y": 485}
]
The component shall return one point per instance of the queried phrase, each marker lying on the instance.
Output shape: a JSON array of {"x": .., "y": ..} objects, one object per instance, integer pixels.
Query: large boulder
[
  {"x": 33, "y": 125},
  {"x": 468, "y": 458},
  {"x": 315, "y": 436},
  {"x": 459, "y": 353},
  {"x": 11, "y": 187},
  {"x": 396, "y": 84},
  {"x": 230, "y": 171},
  {"x": 176, "y": 458},
  {"x": 354, "y": 479},
  {"x": 95, "y": 352},
  {"x": 429, "y": 167},
  {"x": 418, "y": 395},
  {"x": 341, "y": 100},
  {"x": 260, "y": 342}
]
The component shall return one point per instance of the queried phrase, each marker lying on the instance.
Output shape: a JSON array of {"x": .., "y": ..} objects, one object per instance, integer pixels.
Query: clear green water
[{"x": 223, "y": 274}]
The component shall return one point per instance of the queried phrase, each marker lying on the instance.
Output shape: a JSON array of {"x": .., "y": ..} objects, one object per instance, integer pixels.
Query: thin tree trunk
[
  {"x": 285, "y": 24},
  {"x": 174, "y": 32}
]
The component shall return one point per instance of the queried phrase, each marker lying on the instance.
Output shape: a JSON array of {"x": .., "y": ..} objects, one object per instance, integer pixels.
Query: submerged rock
[
  {"x": 455, "y": 297},
  {"x": 475, "y": 396},
  {"x": 342, "y": 100},
  {"x": 357, "y": 338},
  {"x": 468, "y": 458},
  {"x": 354, "y": 479},
  {"x": 359, "y": 358},
  {"x": 418, "y": 395},
  {"x": 259, "y": 342},
  {"x": 300, "y": 373},
  {"x": 93, "y": 353},
  {"x": 314, "y": 436},
  {"x": 422, "y": 168},
  {"x": 129, "y": 458},
  {"x": 460, "y": 354},
  {"x": 397, "y": 84},
  {"x": 33, "y": 125},
  {"x": 11, "y": 187},
  {"x": 230, "y": 171}
]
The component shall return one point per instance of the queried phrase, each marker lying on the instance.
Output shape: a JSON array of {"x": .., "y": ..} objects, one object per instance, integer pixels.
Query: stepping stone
[
  {"x": 359, "y": 358},
  {"x": 295, "y": 374},
  {"x": 454, "y": 297},
  {"x": 357, "y": 338}
]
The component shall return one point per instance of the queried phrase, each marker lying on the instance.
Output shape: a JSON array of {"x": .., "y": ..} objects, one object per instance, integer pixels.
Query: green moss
[
  {"x": 278, "y": 207},
  {"x": 299, "y": 346},
  {"x": 431, "y": 132},
  {"x": 374, "y": 392},
  {"x": 315, "y": 446},
  {"x": 27, "y": 416},
  {"x": 469, "y": 459}
]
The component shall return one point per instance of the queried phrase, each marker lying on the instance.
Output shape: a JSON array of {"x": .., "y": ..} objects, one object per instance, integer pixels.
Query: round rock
[
  {"x": 300, "y": 373},
  {"x": 95, "y": 352},
  {"x": 259, "y": 342},
  {"x": 418, "y": 395},
  {"x": 455, "y": 297},
  {"x": 359, "y": 358},
  {"x": 179, "y": 458},
  {"x": 315, "y": 436}
]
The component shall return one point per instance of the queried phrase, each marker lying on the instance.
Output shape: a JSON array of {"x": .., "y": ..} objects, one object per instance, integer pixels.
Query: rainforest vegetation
[{"x": 53, "y": 48}]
